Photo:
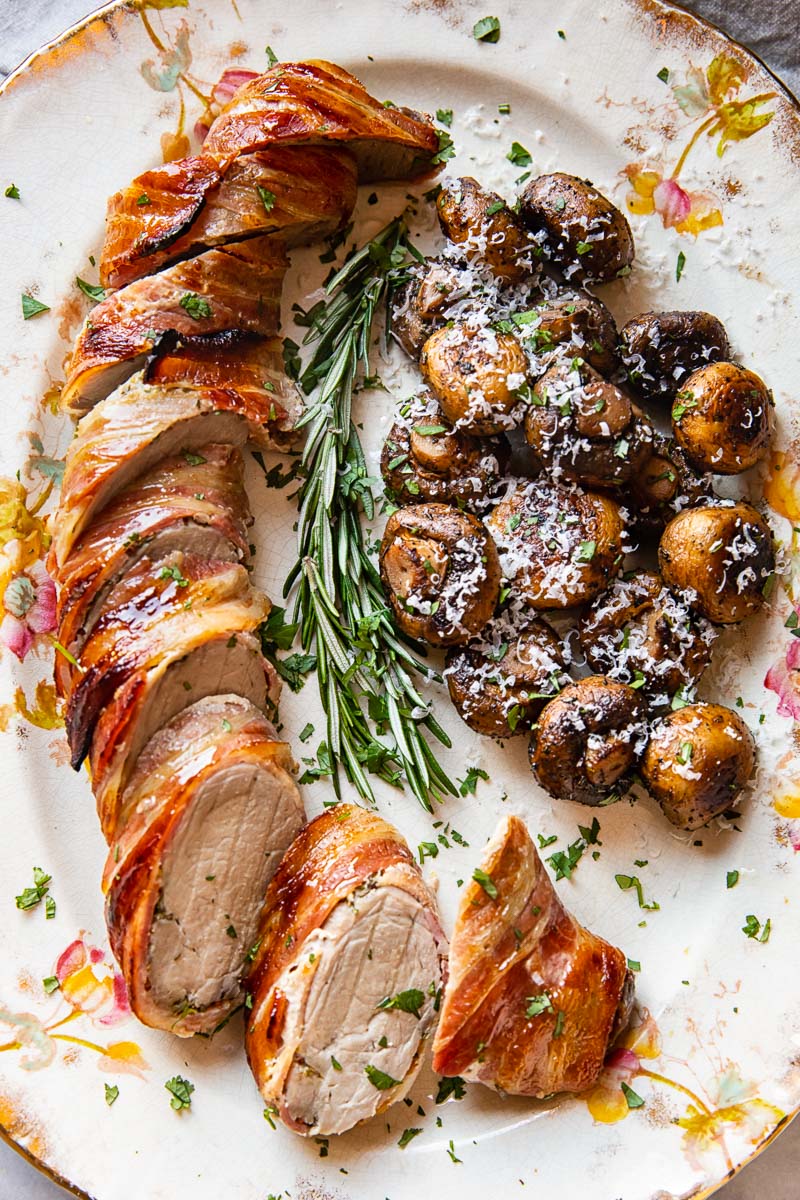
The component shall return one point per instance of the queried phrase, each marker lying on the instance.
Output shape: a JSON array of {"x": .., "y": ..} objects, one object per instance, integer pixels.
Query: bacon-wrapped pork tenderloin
[{"x": 208, "y": 814}]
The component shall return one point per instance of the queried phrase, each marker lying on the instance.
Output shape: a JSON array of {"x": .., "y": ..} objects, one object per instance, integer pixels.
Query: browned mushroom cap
[
  {"x": 440, "y": 572},
  {"x": 722, "y": 417},
  {"x": 583, "y": 427},
  {"x": 697, "y": 762},
  {"x": 559, "y": 546},
  {"x": 476, "y": 374},
  {"x": 573, "y": 324},
  {"x": 641, "y": 633},
  {"x": 424, "y": 458},
  {"x": 588, "y": 739},
  {"x": 483, "y": 224},
  {"x": 583, "y": 232},
  {"x": 500, "y": 681},
  {"x": 666, "y": 484},
  {"x": 659, "y": 349},
  {"x": 420, "y": 305},
  {"x": 722, "y": 555}
]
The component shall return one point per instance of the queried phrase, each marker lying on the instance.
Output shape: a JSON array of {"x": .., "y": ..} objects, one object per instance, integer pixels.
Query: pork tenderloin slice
[
  {"x": 231, "y": 287},
  {"x": 212, "y": 808},
  {"x": 302, "y": 193},
  {"x": 319, "y": 103},
  {"x": 237, "y": 364},
  {"x": 155, "y": 615},
  {"x": 350, "y": 942},
  {"x": 149, "y": 698},
  {"x": 128, "y": 434},
  {"x": 197, "y": 505},
  {"x": 540, "y": 995}
]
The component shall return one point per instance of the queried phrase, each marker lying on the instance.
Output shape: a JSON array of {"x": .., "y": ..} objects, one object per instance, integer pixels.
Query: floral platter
[{"x": 701, "y": 145}]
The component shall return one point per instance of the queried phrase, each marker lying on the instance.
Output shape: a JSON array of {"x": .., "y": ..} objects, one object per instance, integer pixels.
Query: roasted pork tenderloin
[
  {"x": 533, "y": 1001},
  {"x": 347, "y": 976},
  {"x": 193, "y": 502},
  {"x": 208, "y": 814}
]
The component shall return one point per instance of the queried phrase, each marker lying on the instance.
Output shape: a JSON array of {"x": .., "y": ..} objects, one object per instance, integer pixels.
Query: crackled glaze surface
[{"x": 702, "y": 147}]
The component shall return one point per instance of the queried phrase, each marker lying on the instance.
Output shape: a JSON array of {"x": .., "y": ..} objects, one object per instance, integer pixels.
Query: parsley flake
[
  {"x": 12, "y": 191},
  {"x": 679, "y": 265},
  {"x": 731, "y": 879},
  {"x": 538, "y": 1004},
  {"x": 379, "y": 1079},
  {"x": 468, "y": 785},
  {"x": 196, "y": 306},
  {"x": 93, "y": 290},
  {"x": 406, "y": 1136},
  {"x": 633, "y": 1098},
  {"x": 663, "y": 75},
  {"x": 181, "y": 1092},
  {"x": 409, "y": 1001},
  {"x": 31, "y": 896},
  {"x": 112, "y": 1091},
  {"x": 267, "y": 198},
  {"x": 31, "y": 307},
  {"x": 519, "y": 156},
  {"x": 487, "y": 29}
]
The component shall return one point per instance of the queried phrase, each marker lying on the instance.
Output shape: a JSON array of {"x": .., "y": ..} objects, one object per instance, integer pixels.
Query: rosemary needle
[{"x": 376, "y": 718}]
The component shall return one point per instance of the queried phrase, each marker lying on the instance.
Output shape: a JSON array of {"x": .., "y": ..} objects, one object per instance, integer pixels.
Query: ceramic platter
[{"x": 703, "y": 146}]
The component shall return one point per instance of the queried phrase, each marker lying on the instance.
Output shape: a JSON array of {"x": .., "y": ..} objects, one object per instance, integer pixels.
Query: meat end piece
[
  {"x": 212, "y": 807},
  {"x": 346, "y": 981},
  {"x": 533, "y": 1001}
]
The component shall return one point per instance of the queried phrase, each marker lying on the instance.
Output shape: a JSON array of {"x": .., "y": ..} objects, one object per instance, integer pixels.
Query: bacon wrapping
[
  {"x": 346, "y": 981},
  {"x": 533, "y": 1000}
]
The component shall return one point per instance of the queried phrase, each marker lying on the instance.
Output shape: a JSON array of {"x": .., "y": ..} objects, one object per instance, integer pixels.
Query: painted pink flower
[
  {"x": 90, "y": 985},
  {"x": 783, "y": 678},
  {"x": 686, "y": 212},
  {"x": 29, "y": 608},
  {"x": 230, "y": 82}
]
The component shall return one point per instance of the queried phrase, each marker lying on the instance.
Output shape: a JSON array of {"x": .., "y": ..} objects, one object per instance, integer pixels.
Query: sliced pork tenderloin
[
  {"x": 302, "y": 193},
  {"x": 131, "y": 431},
  {"x": 533, "y": 1000},
  {"x": 346, "y": 981},
  {"x": 210, "y": 810},
  {"x": 233, "y": 287},
  {"x": 191, "y": 502}
]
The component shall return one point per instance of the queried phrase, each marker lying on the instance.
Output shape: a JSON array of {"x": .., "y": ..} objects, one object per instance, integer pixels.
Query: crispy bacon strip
[
  {"x": 301, "y": 193},
  {"x": 234, "y": 287},
  {"x": 519, "y": 952}
]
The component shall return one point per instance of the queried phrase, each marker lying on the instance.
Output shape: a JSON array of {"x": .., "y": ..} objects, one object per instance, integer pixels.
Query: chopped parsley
[
  {"x": 487, "y": 29},
  {"x": 558, "y": 1028},
  {"x": 486, "y": 882},
  {"x": 196, "y": 306},
  {"x": 406, "y": 1136},
  {"x": 380, "y": 1079},
  {"x": 451, "y": 1150},
  {"x": 679, "y": 265},
  {"x": 12, "y": 191},
  {"x": 538, "y": 1004},
  {"x": 446, "y": 149},
  {"x": 731, "y": 879},
  {"x": 32, "y": 307},
  {"x": 51, "y": 984},
  {"x": 582, "y": 247},
  {"x": 409, "y": 1001},
  {"x": 444, "y": 116},
  {"x": 633, "y": 964},
  {"x": 663, "y": 75},
  {"x": 495, "y": 207},
  {"x": 143, "y": 200},
  {"x": 586, "y": 552},
  {"x": 272, "y": 57},
  {"x": 428, "y": 431},
  {"x": 267, "y": 198},
  {"x": 180, "y": 1090},
  {"x": 685, "y": 752},
  {"x": 337, "y": 1066},
  {"x": 31, "y": 896},
  {"x": 753, "y": 929},
  {"x": 468, "y": 785},
  {"x": 627, "y": 883},
  {"x": 451, "y": 1085},
  {"x": 93, "y": 290},
  {"x": 306, "y": 732},
  {"x": 194, "y": 460},
  {"x": 519, "y": 156},
  {"x": 174, "y": 574},
  {"x": 112, "y": 1091},
  {"x": 504, "y": 109},
  {"x": 564, "y": 862}
]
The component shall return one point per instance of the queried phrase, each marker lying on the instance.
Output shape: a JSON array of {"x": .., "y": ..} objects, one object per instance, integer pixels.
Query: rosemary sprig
[{"x": 365, "y": 671}]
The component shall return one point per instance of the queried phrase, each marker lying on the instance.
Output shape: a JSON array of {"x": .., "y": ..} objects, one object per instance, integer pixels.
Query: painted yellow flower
[
  {"x": 739, "y": 1110},
  {"x": 683, "y": 211}
]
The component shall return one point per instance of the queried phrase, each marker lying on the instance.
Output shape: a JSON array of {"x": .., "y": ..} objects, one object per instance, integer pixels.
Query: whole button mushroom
[
  {"x": 559, "y": 546},
  {"x": 500, "y": 681},
  {"x": 424, "y": 458},
  {"x": 476, "y": 374},
  {"x": 574, "y": 324},
  {"x": 665, "y": 486},
  {"x": 697, "y": 761},
  {"x": 722, "y": 555},
  {"x": 642, "y": 633},
  {"x": 588, "y": 740},
  {"x": 660, "y": 349},
  {"x": 722, "y": 417},
  {"x": 585, "y": 428},
  {"x": 580, "y": 230},
  {"x": 440, "y": 572},
  {"x": 487, "y": 229},
  {"x": 421, "y": 304}
]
